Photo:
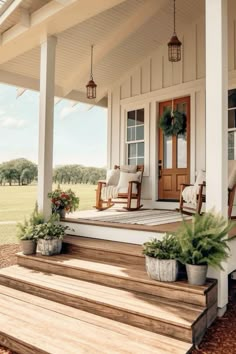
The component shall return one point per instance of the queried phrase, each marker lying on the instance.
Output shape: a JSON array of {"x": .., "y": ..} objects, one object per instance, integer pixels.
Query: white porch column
[
  {"x": 46, "y": 116},
  {"x": 216, "y": 120}
]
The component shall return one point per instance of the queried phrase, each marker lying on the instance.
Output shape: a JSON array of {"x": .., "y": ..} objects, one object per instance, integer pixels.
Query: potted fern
[
  {"x": 26, "y": 232},
  {"x": 203, "y": 243},
  {"x": 161, "y": 258}
]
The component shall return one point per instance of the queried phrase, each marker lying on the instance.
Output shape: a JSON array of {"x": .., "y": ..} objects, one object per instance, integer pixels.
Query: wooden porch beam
[
  {"x": 19, "y": 80},
  {"x": 143, "y": 13},
  {"x": 52, "y": 18}
]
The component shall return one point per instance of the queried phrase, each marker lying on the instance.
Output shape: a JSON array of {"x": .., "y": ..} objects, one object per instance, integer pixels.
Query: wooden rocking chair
[
  {"x": 129, "y": 196},
  {"x": 201, "y": 196}
]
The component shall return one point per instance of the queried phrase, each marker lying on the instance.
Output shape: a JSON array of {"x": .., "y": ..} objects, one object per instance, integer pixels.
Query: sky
[{"x": 80, "y": 135}]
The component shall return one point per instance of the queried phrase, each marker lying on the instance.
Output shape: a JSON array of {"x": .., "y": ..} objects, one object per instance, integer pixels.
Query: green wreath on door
[{"x": 173, "y": 123}]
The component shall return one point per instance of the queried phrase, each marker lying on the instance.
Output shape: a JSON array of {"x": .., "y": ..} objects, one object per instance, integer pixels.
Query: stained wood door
[{"x": 173, "y": 154}]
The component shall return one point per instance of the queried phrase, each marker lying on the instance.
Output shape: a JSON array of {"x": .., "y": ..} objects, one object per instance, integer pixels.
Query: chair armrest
[
  {"x": 102, "y": 182},
  {"x": 135, "y": 182},
  {"x": 186, "y": 184}
]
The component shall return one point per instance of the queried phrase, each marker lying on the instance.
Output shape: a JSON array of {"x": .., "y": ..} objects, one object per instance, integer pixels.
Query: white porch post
[
  {"x": 216, "y": 120},
  {"x": 46, "y": 115}
]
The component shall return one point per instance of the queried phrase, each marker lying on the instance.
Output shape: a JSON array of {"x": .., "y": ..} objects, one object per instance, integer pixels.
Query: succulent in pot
[
  {"x": 161, "y": 258},
  {"x": 50, "y": 236},
  {"x": 203, "y": 243}
]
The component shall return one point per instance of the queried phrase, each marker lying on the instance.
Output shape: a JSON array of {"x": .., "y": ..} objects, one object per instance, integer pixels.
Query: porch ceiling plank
[
  {"x": 50, "y": 19},
  {"x": 143, "y": 13}
]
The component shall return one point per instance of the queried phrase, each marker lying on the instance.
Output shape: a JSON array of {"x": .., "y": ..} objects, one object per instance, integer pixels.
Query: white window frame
[
  {"x": 124, "y": 142},
  {"x": 231, "y": 129}
]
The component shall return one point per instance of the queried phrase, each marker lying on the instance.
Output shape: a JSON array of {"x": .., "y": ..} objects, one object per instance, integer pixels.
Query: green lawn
[{"x": 17, "y": 202}]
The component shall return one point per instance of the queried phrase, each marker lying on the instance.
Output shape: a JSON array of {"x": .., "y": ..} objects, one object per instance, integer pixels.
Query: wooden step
[
  {"x": 110, "y": 251},
  {"x": 168, "y": 317},
  {"x": 125, "y": 276},
  {"x": 33, "y": 325}
]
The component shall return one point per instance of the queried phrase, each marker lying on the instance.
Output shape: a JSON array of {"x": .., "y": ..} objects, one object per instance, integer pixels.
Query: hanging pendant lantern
[
  {"x": 91, "y": 86},
  {"x": 174, "y": 45}
]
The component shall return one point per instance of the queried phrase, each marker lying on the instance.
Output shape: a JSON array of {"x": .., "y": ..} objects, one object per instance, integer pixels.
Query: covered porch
[{"x": 48, "y": 49}]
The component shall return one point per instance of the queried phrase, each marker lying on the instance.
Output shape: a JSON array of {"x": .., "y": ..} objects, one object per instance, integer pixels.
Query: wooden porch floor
[
  {"x": 126, "y": 220},
  {"x": 117, "y": 218}
]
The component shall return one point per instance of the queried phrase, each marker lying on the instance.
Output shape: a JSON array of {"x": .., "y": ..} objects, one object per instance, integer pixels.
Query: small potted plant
[
  {"x": 50, "y": 236},
  {"x": 63, "y": 201},
  {"x": 161, "y": 258},
  {"x": 203, "y": 243},
  {"x": 26, "y": 232}
]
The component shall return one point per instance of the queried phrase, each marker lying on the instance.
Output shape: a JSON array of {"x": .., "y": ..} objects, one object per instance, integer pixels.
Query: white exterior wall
[{"x": 154, "y": 80}]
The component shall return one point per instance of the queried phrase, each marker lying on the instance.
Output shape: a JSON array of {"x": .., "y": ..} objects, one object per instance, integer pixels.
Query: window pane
[
  {"x": 181, "y": 107},
  {"x": 140, "y": 161},
  {"x": 131, "y": 134},
  {"x": 232, "y": 98},
  {"x": 231, "y": 119},
  {"x": 232, "y": 145},
  {"x": 182, "y": 151},
  {"x": 140, "y": 132},
  {"x": 167, "y": 151},
  {"x": 140, "y": 116},
  {"x": 140, "y": 149},
  {"x": 131, "y": 119},
  {"x": 132, "y": 161},
  {"x": 132, "y": 150}
]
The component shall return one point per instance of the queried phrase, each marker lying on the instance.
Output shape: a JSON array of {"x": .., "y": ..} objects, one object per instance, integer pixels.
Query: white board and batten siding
[{"x": 155, "y": 80}]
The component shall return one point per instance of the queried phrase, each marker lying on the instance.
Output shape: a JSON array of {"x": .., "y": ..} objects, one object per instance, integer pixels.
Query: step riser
[
  {"x": 103, "y": 255},
  {"x": 17, "y": 346},
  {"x": 104, "y": 279},
  {"x": 111, "y": 312}
]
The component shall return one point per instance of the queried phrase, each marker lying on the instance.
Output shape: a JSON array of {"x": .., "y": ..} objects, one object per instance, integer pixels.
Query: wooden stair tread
[
  {"x": 31, "y": 324},
  {"x": 129, "y": 271},
  {"x": 110, "y": 246},
  {"x": 164, "y": 310}
]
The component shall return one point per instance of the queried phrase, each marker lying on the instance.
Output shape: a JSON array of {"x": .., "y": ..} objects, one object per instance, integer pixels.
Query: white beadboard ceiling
[{"x": 73, "y": 47}]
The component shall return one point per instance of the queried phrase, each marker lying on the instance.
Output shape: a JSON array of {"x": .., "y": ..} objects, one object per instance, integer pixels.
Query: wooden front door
[{"x": 173, "y": 154}]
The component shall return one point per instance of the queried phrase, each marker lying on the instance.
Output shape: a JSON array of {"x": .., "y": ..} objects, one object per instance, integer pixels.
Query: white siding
[{"x": 156, "y": 79}]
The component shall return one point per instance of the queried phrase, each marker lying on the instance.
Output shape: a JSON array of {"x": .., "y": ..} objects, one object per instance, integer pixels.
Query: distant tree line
[
  {"x": 74, "y": 174},
  {"x": 23, "y": 172}
]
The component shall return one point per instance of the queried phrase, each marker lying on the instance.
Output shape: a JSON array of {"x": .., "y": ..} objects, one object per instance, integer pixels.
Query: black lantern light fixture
[
  {"x": 174, "y": 45},
  {"x": 91, "y": 86}
]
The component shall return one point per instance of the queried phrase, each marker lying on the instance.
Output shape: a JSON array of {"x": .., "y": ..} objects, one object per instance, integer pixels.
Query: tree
[{"x": 12, "y": 171}]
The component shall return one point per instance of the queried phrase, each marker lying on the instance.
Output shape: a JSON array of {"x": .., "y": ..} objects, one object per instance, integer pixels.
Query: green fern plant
[
  {"x": 26, "y": 229},
  {"x": 204, "y": 241},
  {"x": 167, "y": 248}
]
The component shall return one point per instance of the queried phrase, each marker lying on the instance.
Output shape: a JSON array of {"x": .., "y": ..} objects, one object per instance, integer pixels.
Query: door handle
[{"x": 159, "y": 169}]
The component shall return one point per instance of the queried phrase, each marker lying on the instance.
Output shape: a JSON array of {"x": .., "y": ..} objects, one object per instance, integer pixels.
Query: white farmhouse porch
[{"x": 46, "y": 47}]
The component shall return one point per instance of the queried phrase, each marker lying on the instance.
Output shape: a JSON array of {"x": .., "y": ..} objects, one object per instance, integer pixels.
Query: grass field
[{"x": 16, "y": 203}]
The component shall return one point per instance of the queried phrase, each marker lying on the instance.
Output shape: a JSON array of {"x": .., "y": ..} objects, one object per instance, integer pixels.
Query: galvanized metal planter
[
  {"x": 162, "y": 269},
  {"x": 28, "y": 247},
  {"x": 49, "y": 247},
  {"x": 196, "y": 274}
]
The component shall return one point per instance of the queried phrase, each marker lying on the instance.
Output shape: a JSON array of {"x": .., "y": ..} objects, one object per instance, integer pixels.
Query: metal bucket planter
[
  {"x": 49, "y": 247},
  {"x": 196, "y": 274},
  {"x": 28, "y": 247},
  {"x": 62, "y": 213},
  {"x": 162, "y": 269}
]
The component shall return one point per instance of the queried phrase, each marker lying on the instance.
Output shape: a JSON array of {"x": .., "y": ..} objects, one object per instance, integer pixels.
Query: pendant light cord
[
  {"x": 174, "y": 17},
  {"x": 91, "y": 72}
]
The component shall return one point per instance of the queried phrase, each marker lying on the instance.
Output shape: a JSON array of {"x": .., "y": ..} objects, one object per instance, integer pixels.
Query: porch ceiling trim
[{"x": 9, "y": 10}]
